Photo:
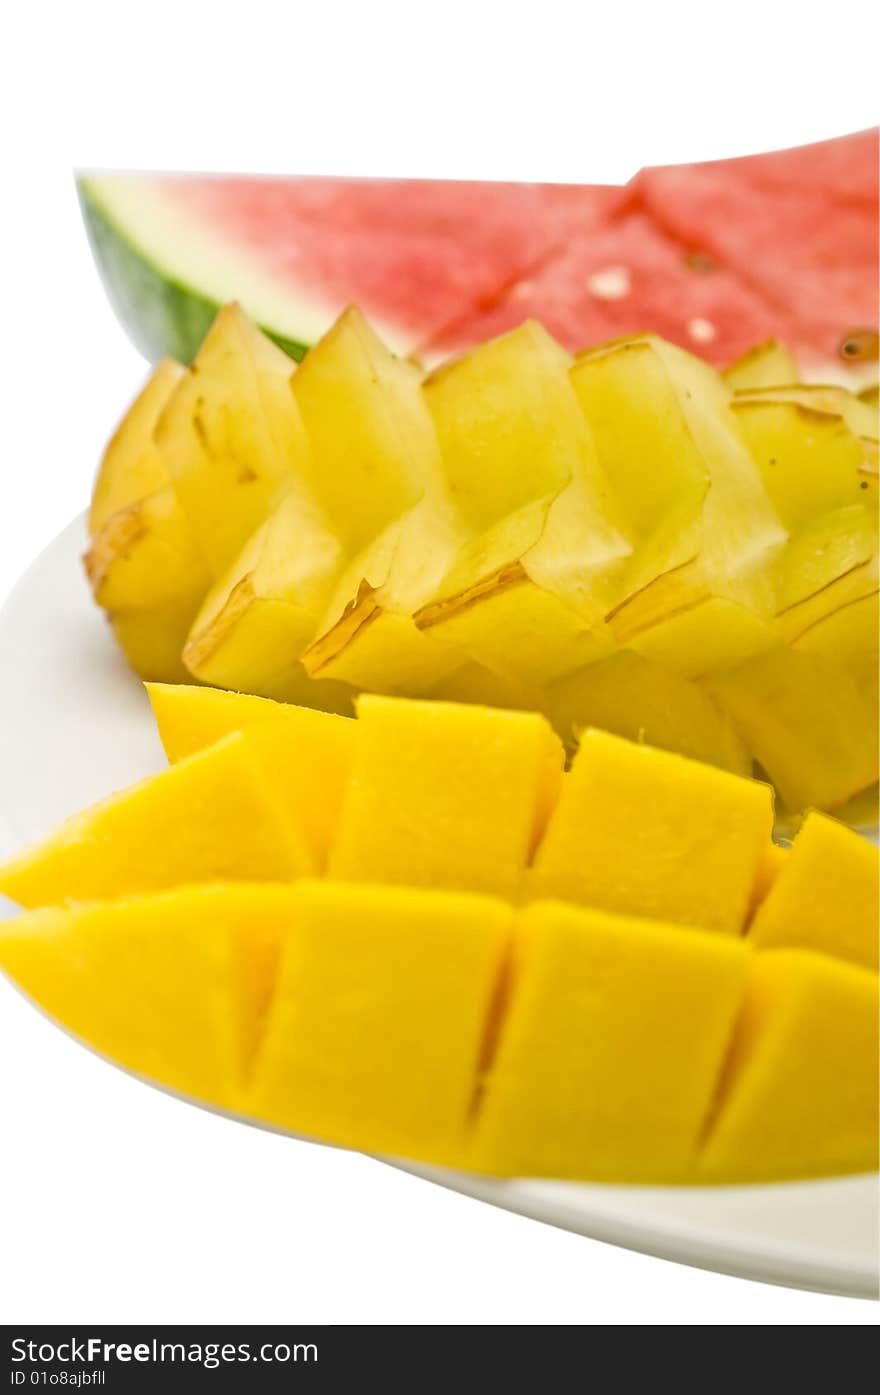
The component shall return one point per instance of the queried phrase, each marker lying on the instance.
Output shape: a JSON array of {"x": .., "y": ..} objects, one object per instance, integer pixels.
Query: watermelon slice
[
  {"x": 799, "y": 227},
  {"x": 414, "y": 254},
  {"x": 627, "y": 277},
  {"x": 715, "y": 256}
]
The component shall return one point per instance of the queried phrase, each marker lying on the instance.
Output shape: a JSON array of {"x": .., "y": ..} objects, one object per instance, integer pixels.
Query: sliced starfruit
[
  {"x": 231, "y": 436},
  {"x": 765, "y": 365}
]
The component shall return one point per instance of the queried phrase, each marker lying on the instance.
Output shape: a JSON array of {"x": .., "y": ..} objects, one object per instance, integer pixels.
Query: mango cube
[
  {"x": 307, "y": 754},
  {"x": 445, "y": 795},
  {"x": 610, "y": 1049},
  {"x": 826, "y": 895},
  {"x": 644, "y": 832},
  {"x": 172, "y": 986},
  {"x": 213, "y": 817},
  {"x": 377, "y": 1025},
  {"x": 799, "y": 1093}
]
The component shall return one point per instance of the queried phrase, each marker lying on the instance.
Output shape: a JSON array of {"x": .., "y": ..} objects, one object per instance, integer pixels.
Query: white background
[{"x": 116, "y": 1202}]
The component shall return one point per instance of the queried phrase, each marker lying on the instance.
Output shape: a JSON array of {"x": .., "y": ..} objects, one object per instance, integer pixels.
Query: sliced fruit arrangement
[
  {"x": 607, "y": 974},
  {"x": 624, "y": 539},
  {"x": 713, "y": 257}
]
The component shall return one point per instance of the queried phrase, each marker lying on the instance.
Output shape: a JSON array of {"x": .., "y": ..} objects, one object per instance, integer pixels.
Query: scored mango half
[{"x": 507, "y": 967}]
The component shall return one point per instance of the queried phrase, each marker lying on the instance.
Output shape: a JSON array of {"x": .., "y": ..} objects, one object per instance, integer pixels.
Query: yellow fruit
[
  {"x": 255, "y": 622},
  {"x": 132, "y": 466},
  {"x": 534, "y": 576},
  {"x": 213, "y": 817},
  {"x": 445, "y": 796},
  {"x": 144, "y": 559},
  {"x": 809, "y": 724},
  {"x": 647, "y": 833},
  {"x": 683, "y": 479},
  {"x": 799, "y": 1093},
  {"x": 644, "y": 701},
  {"x": 771, "y": 861},
  {"x": 710, "y": 636},
  {"x": 825, "y": 895},
  {"x": 368, "y": 439},
  {"x": 378, "y": 1019},
  {"x": 307, "y": 755},
  {"x": 143, "y": 566},
  {"x": 848, "y": 637},
  {"x": 231, "y": 436},
  {"x": 152, "y": 640},
  {"x": 610, "y": 1048},
  {"x": 173, "y": 986},
  {"x": 763, "y": 366}
]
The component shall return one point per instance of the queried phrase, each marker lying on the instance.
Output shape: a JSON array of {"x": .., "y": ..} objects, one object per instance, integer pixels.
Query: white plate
[{"x": 75, "y": 724}]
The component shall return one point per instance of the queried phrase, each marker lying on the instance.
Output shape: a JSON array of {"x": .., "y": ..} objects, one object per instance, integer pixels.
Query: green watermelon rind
[{"x": 162, "y": 315}]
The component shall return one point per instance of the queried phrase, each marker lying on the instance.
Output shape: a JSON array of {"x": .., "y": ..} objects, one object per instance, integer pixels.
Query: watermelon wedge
[
  {"x": 714, "y": 257},
  {"x": 414, "y": 254}
]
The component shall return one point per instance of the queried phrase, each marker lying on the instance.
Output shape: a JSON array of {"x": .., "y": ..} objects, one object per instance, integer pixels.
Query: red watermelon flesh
[
  {"x": 624, "y": 278},
  {"x": 412, "y": 253},
  {"x": 799, "y": 227}
]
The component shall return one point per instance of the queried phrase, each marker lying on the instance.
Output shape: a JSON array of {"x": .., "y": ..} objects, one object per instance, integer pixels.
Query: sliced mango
[
  {"x": 772, "y": 859},
  {"x": 825, "y": 895},
  {"x": 445, "y": 796},
  {"x": 610, "y": 1048},
  {"x": 808, "y": 722},
  {"x": 378, "y": 1020},
  {"x": 635, "y": 697},
  {"x": 174, "y": 986},
  {"x": 215, "y": 816},
  {"x": 644, "y": 832},
  {"x": 800, "y": 1089},
  {"x": 308, "y": 755},
  {"x": 132, "y": 466}
]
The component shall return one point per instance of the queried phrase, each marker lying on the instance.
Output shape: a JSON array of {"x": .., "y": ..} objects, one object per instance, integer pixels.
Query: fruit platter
[{"x": 468, "y": 752}]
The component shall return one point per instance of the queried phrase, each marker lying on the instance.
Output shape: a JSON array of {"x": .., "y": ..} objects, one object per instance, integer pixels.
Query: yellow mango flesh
[
  {"x": 771, "y": 861},
  {"x": 445, "y": 796},
  {"x": 378, "y": 1020},
  {"x": 231, "y": 436},
  {"x": 799, "y": 1092},
  {"x": 132, "y": 466},
  {"x": 647, "y": 833},
  {"x": 152, "y": 641},
  {"x": 174, "y": 986},
  {"x": 807, "y": 721},
  {"x": 634, "y": 697},
  {"x": 611, "y": 1045},
  {"x": 763, "y": 366},
  {"x": 710, "y": 636},
  {"x": 307, "y": 755},
  {"x": 825, "y": 896},
  {"x": 215, "y": 816}
]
